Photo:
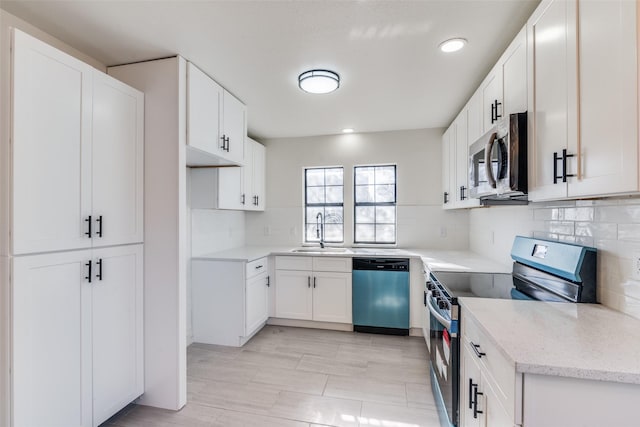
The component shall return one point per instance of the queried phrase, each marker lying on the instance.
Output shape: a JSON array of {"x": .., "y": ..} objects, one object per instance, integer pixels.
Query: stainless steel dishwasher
[{"x": 381, "y": 295}]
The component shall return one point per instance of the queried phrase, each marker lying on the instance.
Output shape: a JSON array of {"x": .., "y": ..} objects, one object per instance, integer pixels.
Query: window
[
  {"x": 324, "y": 194},
  {"x": 375, "y": 204}
]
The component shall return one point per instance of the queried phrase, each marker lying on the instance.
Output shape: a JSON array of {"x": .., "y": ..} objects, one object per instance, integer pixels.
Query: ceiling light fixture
[
  {"x": 347, "y": 130},
  {"x": 319, "y": 81},
  {"x": 452, "y": 45}
]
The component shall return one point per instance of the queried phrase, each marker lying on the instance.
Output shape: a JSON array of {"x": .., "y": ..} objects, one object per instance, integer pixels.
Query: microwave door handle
[
  {"x": 488, "y": 167},
  {"x": 446, "y": 323}
]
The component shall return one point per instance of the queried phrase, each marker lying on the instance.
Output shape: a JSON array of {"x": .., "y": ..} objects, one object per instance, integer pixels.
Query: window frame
[
  {"x": 376, "y": 204},
  {"x": 307, "y": 205}
]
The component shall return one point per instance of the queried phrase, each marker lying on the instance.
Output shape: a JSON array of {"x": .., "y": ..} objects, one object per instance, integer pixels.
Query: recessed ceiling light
[
  {"x": 347, "y": 130},
  {"x": 452, "y": 45},
  {"x": 319, "y": 81}
]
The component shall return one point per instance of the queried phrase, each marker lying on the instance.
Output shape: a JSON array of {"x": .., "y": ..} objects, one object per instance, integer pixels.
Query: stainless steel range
[{"x": 542, "y": 270}]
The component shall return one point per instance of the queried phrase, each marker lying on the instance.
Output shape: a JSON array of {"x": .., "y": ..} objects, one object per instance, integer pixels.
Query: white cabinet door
[
  {"x": 117, "y": 305},
  {"x": 294, "y": 295},
  {"x": 258, "y": 176},
  {"x": 230, "y": 188},
  {"x": 234, "y": 127},
  {"x": 514, "y": 75},
  {"x": 51, "y": 140},
  {"x": 447, "y": 196},
  {"x": 474, "y": 118},
  {"x": 247, "y": 175},
  {"x": 51, "y": 331},
  {"x": 256, "y": 303},
  {"x": 607, "y": 144},
  {"x": 117, "y": 168},
  {"x": 204, "y": 108},
  {"x": 470, "y": 380},
  {"x": 551, "y": 95},
  {"x": 493, "y": 414},
  {"x": 332, "y": 297},
  {"x": 492, "y": 106}
]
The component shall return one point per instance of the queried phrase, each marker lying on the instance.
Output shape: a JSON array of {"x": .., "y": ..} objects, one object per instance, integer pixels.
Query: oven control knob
[
  {"x": 442, "y": 304},
  {"x": 430, "y": 286}
]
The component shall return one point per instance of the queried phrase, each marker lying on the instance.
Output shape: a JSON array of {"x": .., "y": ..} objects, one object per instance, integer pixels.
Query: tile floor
[{"x": 295, "y": 377}]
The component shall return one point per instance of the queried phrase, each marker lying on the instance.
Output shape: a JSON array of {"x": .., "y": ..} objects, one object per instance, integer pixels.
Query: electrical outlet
[{"x": 635, "y": 267}]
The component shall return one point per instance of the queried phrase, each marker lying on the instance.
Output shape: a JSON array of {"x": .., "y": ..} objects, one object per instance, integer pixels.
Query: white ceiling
[{"x": 393, "y": 75}]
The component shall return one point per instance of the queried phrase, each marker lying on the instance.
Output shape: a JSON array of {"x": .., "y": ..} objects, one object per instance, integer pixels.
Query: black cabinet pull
[
  {"x": 563, "y": 158},
  {"x": 476, "y": 393},
  {"x": 498, "y": 116},
  {"x": 99, "y": 221},
  {"x": 242, "y": 199},
  {"x": 257, "y": 200},
  {"x": 493, "y": 117},
  {"x": 268, "y": 281},
  {"x": 446, "y": 197},
  {"x": 425, "y": 298},
  {"x": 314, "y": 282},
  {"x": 88, "y": 221},
  {"x": 99, "y": 264},
  {"x": 462, "y": 190},
  {"x": 88, "y": 276},
  {"x": 471, "y": 386},
  {"x": 224, "y": 140},
  {"x": 476, "y": 350},
  {"x": 258, "y": 267},
  {"x": 309, "y": 281}
]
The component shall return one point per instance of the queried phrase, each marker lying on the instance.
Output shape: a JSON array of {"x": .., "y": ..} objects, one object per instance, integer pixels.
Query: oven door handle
[{"x": 436, "y": 314}]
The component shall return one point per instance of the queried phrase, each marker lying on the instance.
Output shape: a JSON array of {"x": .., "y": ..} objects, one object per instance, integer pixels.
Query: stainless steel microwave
[{"x": 498, "y": 162}]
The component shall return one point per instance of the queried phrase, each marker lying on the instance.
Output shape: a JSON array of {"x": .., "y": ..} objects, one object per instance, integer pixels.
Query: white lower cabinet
[
  {"x": 77, "y": 336},
  {"x": 313, "y": 288},
  {"x": 230, "y": 300}
]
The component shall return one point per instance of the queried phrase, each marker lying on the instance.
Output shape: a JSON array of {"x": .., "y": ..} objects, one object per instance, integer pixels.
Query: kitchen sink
[{"x": 317, "y": 250}]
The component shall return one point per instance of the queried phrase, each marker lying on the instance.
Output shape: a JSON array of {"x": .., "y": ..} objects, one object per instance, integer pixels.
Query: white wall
[
  {"x": 610, "y": 225},
  {"x": 417, "y": 154}
]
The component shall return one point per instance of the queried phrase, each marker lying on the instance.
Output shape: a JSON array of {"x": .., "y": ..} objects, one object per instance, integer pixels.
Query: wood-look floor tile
[
  {"x": 418, "y": 373},
  {"x": 269, "y": 359},
  {"x": 366, "y": 389},
  {"x": 234, "y": 371},
  {"x": 325, "y": 365},
  {"x": 291, "y": 380},
  {"x": 191, "y": 415},
  {"x": 243, "y": 419},
  {"x": 420, "y": 396},
  {"x": 317, "y": 409},
  {"x": 397, "y": 416},
  {"x": 369, "y": 353},
  {"x": 252, "y": 398}
]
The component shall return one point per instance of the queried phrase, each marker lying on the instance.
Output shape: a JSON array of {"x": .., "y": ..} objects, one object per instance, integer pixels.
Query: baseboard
[{"x": 310, "y": 324}]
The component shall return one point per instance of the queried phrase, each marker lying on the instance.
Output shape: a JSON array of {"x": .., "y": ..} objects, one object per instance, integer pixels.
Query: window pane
[
  {"x": 315, "y": 177},
  {"x": 385, "y": 175},
  {"x": 312, "y": 213},
  {"x": 333, "y": 232},
  {"x": 364, "y": 175},
  {"x": 334, "y": 215},
  {"x": 386, "y": 214},
  {"x": 385, "y": 233},
  {"x": 334, "y": 176},
  {"x": 365, "y": 214},
  {"x": 315, "y": 195},
  {"x": 311, "y": 235},
  {"x": 365, "y": 233},
  {"x": 365, "y": 194},
  {"x": 334, "y": 194},
  {"x": 385, "y": 193}
]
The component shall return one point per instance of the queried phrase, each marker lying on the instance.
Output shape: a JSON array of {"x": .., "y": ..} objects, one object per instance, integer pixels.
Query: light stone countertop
[
  {"x": 587, "y": 341},
  {"x": 436, "y": 260}
]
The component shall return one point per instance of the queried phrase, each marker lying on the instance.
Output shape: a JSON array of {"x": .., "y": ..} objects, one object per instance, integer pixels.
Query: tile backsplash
[{"x": 610, "y": 225}]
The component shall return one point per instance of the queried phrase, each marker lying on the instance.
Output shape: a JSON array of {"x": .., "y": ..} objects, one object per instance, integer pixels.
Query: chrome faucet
[{"x": 320, "y": 228}]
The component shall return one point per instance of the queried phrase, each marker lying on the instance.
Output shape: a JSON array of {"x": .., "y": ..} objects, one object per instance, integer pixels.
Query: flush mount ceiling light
[
  {"x": 319, "y": 81},
  {"x": 347, "y": 130},
  {"x": 452, "y": 45}
]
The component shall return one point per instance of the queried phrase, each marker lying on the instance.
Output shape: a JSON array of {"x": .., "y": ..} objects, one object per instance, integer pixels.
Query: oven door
[{"x": 444, "y": 363}]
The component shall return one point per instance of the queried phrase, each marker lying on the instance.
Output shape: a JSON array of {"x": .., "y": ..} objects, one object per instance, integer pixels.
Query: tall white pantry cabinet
[{"x": 72, "y": 242}]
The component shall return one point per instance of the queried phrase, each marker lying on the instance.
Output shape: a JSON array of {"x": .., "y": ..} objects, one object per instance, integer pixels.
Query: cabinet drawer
[
  {"x": 500, "y": 371},
  {"x": 256, "y": 267},
  {"x": 294, "y": 263},
  {"x": 339, "y": 265}
]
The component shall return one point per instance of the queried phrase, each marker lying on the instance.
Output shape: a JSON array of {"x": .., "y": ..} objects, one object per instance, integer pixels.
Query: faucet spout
[{"x": 320, "y": 228}]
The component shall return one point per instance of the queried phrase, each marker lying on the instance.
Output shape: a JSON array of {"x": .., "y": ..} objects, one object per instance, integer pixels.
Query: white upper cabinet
[
  {"x": 455, "y": 163},
  {"x": 492, "y": 105},
  {"x": 51, "y": 195},
  {"x": 607, "y": 140},
  {"x": 255, "y": 177},
  {"x": 474, "y": 118},
  {"x": 118, "y": 162},
  {"x": 240, "y": 188},
  {"x": 216, "y": 122},
  {"x": 583, "y": 99},
  {"x": 447, "y": 182},
  {"x": 514, "y": 75},
  {"x": 77, "y": 174}
]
